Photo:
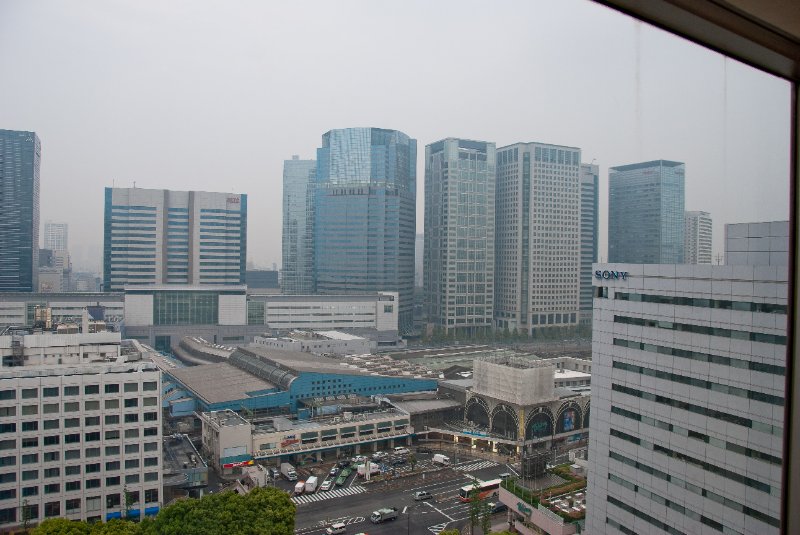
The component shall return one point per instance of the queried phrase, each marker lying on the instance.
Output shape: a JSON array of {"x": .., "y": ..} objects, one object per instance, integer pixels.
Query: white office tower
[
  {"x": 688, "y": 365},
  {"x": 79, "y": 426},
  {"x": 697, "y": 238},
  {"x": 55, "y": 236}
]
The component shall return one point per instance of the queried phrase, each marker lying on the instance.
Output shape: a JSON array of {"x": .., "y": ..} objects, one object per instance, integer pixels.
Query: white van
[
  {"x": 400, "y": 450},
  {"x": 438, "y": 458}
]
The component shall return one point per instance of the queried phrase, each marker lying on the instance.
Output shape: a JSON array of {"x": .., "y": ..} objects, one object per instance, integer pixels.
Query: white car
[
  {"x": 326, "y": 485},
  {"x": 336, "y": 529},
  {"x": 399, "y": 450}
]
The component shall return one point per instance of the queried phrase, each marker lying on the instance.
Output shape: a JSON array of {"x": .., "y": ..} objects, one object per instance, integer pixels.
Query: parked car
[
  {"x": 326, "y": 485},
  {"x": 333, "y": 471},
  {"x": 398, "y": 461},
  {"x": 336, "y": 529},
  {"x": 400, "y": 450},
  {"x": 344, "y": 463},
  {"x": 424, "y": 449},
  {"x": 504, "y": 475},
  {"x": 422, "y": 495}
]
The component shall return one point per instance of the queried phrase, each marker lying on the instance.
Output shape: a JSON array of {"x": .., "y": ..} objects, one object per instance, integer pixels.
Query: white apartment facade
[
  {"x": 74, "y": 438},
  {"x": 697, "y": 237},
  {"x": 537, "y": 236},
  {"x": 688, "y": 365}
]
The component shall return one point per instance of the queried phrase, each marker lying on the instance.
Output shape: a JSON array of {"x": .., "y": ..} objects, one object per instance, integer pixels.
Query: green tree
[
  {"x": 412, "y": 460},
  {"x": 450, "y": 532},
  {"x": 61, "y": 526},
  {"x": 474, "y": 507},
  {"x": 266, "y": 511},
  {"x": 115, "y": 527}
]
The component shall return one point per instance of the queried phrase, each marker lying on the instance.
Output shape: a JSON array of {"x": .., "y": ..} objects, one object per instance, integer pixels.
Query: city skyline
[{"x": 730, "y": 110}]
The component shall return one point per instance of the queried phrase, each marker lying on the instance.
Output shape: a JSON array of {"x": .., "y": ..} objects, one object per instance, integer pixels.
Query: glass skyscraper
[
  {"x": 458, "y": 268},
  {"x": 645, "y": 212},
  {"x": 365, "y": 214},
  {"x": 173, "y": 237},
  {"x": 297, "y": 276},
  {"x": 20, "y": 154}
]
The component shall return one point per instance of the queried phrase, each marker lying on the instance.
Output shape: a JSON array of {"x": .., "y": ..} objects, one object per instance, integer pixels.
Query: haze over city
[{"x": 212, "y": 96}]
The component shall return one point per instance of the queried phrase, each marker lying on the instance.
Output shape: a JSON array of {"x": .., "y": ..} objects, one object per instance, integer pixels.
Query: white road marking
[
  {"x": 479, "y": 465},
  {"x": 336, "y": 493},
  {"x": 429, "y": 504},
  {"x": 438, "y": 528}
]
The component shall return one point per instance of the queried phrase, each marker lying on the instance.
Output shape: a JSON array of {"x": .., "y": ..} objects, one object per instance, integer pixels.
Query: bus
[{"x": 484, "y": 489}]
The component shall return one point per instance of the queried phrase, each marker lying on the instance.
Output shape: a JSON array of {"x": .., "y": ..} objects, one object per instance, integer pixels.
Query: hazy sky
[{"x": 215, "y": 95}]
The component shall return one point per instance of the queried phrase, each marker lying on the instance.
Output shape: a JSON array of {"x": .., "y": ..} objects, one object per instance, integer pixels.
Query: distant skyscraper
[
  {"x": 590, "y": 186},
  {"x": 365, "y": 214},
  {"x": 645, "y": 212},
  {"x": 459, "y": 235},
  {"x": 297, "y": 276},
  {"x": 20, "y": 154},
  {"x": 55, "y": 236},
  {"x": 697, "y": 238},
  {"x": 537, "y": 245},
  {"x": 419, "y": 257},
  {"x": 173, "y": 237}
]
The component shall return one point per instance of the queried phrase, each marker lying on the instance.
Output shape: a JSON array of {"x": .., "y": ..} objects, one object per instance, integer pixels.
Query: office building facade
[
  {"x": 297, "y": 275},
  {"x": 20, "y": 155},
  {"x": 365, "y": 214},
  {"x": 645, "y": 212},
  {"x": 538, "y": 237},
  {"x": 56, "y": 236},
  {"x": 688, "y": 365},
  {"x": 590, "y": 193},
  {"x": 459, "y": 235},
  {"x": 765, "y": 243},
  {"x": 173, "y": 237},
  {"x": 697, "y": 238}
]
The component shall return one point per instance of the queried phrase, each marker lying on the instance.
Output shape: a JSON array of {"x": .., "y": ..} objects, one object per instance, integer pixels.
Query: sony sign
[{"x": 605, "y": 274}]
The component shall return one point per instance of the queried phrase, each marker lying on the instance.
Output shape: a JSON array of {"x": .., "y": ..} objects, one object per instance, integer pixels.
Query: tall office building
[
  {"x": 365, "y": 214},
  {"x": 764, "y": 243},
  {"x": 688, "y": 371},
  {"x": 537, "y": 236},
  {"x": 297, "y": 275},
  {"x": 645, "y": 212},
  {"x": 459, "y": 235},
  {"x": 173, "y": 237},
  {"x": 697, "y": 238},
  {"x": 20, "y": 154},
  {"x": 590, "y": 192},
  {"x": 55, "y": 236}
]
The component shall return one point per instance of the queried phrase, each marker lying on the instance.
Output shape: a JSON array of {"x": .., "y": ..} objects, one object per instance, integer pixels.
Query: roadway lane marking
[
  {"x": 327, "y": 495},
  {"x": 438, "y": 528},
  {"x": 429, "y": 504},
  {"x": 479, "y": 465}
]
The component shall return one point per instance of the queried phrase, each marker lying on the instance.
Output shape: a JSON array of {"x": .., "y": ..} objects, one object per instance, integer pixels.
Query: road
[{"x": 422, "y": 518}]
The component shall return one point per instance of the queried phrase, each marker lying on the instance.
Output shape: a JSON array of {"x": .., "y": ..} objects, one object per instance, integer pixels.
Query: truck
[
  {"x": 311, "y": 484},
  {"x": 383, "y": 515},
  {"x": 438, "y": 458},
  {"x": 300, "y": 487},
  {"x": 288, "y": 471},
  {"x": 374, "y": 468}
]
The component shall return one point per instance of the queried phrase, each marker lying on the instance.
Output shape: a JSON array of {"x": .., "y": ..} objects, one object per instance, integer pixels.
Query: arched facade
[
  {"x": 477, "y": 412},
  {"x": 505, "y": 421},
  {"x": 539, "y": 423},
  {"x": 569, "y": 417}
]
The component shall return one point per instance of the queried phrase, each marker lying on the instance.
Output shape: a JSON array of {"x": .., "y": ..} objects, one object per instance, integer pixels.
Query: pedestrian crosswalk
[
  {"x": 478, "y": 465},
  {"x": 327, "y": 495}
]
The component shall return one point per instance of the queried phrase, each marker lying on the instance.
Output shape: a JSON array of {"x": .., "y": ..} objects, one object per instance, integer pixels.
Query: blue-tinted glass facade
[
  {"x": 646, "y": 213},
  {"x": 365, "y": 214},
  {"x": 590, "y": 190},
  {"x": 20, "y": 154},
  {"x": 298, "y": 226}
]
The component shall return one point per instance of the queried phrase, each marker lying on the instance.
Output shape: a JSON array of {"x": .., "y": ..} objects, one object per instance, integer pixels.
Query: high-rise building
[
  {"x": 297, "y": 275},
  {"x": 365, "y": 214},
  {"x": 765, "y": 243},
  {"x": 688, "y": 374},
  {"x": 20, "y": 154},
  {"x": 459, "y": 235},
  {"x": 590, "y": 192},
  {"x": 419, "y": 258},
  {"x": 645, "y": 212},
  {"x": 537, "y": 236},
  {"x": 697, "y": 238},
  {"x": 55, "y": 236},
  {"x": 173, "y": 237},
  {"x": 79, "y": 430}
]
